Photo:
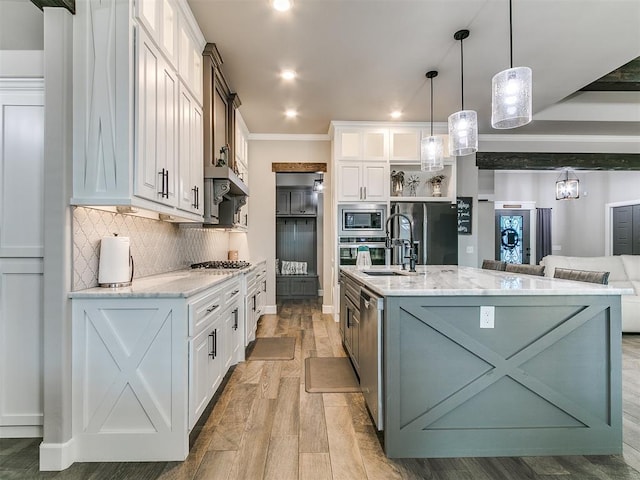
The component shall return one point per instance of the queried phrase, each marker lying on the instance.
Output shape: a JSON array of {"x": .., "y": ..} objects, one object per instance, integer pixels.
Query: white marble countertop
[
  {"x": 445, "y": 280},
  {"x": 179, "y": 283}
]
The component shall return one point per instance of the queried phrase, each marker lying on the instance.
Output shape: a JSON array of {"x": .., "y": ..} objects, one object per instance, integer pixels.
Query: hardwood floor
[{"x": 265, "y": 426}]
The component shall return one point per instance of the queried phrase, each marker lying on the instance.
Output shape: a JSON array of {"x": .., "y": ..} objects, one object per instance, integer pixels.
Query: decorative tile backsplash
[{"x": 156, "y": 246}]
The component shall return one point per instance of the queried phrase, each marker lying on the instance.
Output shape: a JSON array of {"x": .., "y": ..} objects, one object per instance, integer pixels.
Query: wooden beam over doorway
[
  {"x": 68, "y": 4},
  {"x": 555, "y": 161},
  {"x": 300, "y": 167}
]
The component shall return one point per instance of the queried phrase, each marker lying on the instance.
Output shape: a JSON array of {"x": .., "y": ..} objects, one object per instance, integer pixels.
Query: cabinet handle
[
  {"x": 246, "y": 219},
  {"x": 264, "y": 285},
  {"x": 235, "y": 320},
  {"x": 195, "y": 197},
  {"x": 235, "y": 292},
  {"x": 167, "y": 189},
  {"x": 365, "y": 193},
  {"x": 215, "y": 343},
  {"x": 254, "y": 303},
  {"x": 212, "y": 308}
]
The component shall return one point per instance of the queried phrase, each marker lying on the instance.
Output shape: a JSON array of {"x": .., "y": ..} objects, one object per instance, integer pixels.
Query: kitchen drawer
[
  {"x": 232, "y": 291},
  {"x": 202, "y": 310}
]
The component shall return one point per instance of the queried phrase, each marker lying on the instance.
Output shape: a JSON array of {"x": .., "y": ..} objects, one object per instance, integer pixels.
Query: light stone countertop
[
  {"x": 179, "y": 283},
  {"x": 447, "y": 280}
]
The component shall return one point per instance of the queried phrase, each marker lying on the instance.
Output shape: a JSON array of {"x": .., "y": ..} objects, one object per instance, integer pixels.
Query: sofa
[{"x": 624, "y": 273}]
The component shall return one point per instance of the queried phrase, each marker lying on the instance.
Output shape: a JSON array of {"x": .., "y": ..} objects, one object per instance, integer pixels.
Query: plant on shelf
[
  {"x": 413, "y": 183},
  {"x": 397, "y": 183},
  {"x": 436, "y": 185}
]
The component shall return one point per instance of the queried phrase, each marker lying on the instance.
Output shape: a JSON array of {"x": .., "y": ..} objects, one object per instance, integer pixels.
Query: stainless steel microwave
[{"x": 362, "y": 220}]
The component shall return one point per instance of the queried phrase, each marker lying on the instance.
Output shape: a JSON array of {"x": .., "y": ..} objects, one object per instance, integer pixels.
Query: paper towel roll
[{"x": 114, "y": 261}]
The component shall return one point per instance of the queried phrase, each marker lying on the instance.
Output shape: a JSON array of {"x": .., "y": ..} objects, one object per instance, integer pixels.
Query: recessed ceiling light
[
  {"x": 291, "y": 113},
  {"x": 396, "y": 114},
  {"x": 288, "y": 74},
  {"x": 282, "y": 5}
]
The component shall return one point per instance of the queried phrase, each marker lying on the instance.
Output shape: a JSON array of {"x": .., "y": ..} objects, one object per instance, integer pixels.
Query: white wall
[
  {"x": 578, "y": 226},
  {"x": 21, "y": 26},
  {"x": 467, "y": 186},
  {"x": 262, "y": 201}
]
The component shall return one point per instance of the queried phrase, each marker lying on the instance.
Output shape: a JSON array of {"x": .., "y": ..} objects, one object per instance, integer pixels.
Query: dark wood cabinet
[{"x": 296, "y": 202}]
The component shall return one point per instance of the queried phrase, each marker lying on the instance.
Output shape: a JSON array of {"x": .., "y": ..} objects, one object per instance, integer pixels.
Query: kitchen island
[{"x": 485, "y": 363}]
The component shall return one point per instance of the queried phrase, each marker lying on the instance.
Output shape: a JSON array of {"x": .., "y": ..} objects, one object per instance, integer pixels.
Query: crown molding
[{"x": 290, "y": 137}]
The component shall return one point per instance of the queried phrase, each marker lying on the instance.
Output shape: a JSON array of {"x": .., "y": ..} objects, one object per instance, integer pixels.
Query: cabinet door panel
[
  {"x": 199, "y": 348},
  {"x": 148, "y": 179},
  {"x": 197, "y": 160},
  {"x": 283, "y": 205},
  {"x": 186, "y": 133},
  {"x": 405, "y": 144},
  {"x": 375, "y": 145},
  {"x": 148, "y": 12},
  {"x": 376, "y": 181},
  {"x": 349, "y": 145},
  {"x": 349, "y": 186},
  {"x": 169, "y": 31},
  {"x": 168, "y": 131}
]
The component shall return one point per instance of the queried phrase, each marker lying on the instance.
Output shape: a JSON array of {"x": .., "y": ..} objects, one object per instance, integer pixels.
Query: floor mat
[
  {"x": 329, "y": 375},
  {"x": 273, "y": 348}
]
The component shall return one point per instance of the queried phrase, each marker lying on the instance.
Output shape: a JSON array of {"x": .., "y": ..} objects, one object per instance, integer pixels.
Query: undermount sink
[{"x": 384, "y": 273}]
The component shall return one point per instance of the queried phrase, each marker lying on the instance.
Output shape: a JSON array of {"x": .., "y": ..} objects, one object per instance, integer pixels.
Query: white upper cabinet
[
  {"x": 160, "y": 19},
  {"x": 127, "y": 81},
  {"x": 363, "y": 181},
  {"x": 190, "y": 179},
  {"x": 190, "y": 68},
  {"x": 404, "y": 144},
  {"x": 362, "y": 144},
  {"x": 157, "y": 121}
]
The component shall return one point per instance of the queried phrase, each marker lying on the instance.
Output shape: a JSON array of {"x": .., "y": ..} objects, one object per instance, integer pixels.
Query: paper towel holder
[{"x": 109, "y": 257}]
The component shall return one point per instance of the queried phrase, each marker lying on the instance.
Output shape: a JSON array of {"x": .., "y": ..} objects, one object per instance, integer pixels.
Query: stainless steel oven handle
[{"x": 356, "y": 245}]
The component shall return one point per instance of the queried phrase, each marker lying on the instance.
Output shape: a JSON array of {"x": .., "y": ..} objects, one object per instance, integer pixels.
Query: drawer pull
[
  {"x": 212, "y": 308},
  {"x": 235, "y": 292}
]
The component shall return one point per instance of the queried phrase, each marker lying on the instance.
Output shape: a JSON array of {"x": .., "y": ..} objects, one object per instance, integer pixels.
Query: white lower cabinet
[
  {"x": 255, "y": 300},
  {"x": 206, "y": 362},
  {"x": 145, "y": 369}
]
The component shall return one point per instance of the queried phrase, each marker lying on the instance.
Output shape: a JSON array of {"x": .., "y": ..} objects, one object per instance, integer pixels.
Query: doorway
[
  {"x": 299, "y": 234},
  {"x": 512, "y": 236}
]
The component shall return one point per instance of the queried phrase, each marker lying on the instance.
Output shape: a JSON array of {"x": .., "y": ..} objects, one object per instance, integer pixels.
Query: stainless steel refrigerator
[{"x": 435, "y": 231}]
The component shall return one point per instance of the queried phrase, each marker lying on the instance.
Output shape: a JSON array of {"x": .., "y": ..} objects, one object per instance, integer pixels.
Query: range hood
[{"x": 224, "y": 195}]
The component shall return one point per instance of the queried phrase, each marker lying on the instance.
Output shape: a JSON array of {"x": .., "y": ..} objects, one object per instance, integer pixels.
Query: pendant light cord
[
  {"x": 432, "y": 106},
  {"x": 510, "y": 36},
  {"x": 462, "y": 73}
]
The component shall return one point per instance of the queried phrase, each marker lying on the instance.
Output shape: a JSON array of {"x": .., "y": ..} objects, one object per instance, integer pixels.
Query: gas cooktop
[{"x": 222, "y": 264}]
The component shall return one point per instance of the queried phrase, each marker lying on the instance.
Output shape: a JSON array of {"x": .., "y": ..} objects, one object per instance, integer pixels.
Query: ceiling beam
[
  {"x": 68, "y": 4},
  {"x": 555, "y": 161},
  {"x": 623, "y": 79}
]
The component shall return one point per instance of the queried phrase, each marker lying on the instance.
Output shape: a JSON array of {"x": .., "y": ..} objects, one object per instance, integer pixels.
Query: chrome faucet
[{"x": 389, "y": 242}]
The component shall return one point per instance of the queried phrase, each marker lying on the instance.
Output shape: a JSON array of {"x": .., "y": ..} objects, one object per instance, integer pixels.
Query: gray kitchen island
[{"x": 483, "y": 363}]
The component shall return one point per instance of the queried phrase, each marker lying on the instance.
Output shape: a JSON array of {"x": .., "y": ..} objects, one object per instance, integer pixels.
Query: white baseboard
[
  {"x": 30, "y": 431},
  {"x": 270, "y": 309},
  {"x": 57, "y": 456},
  {"x": 327, "y": 309}
]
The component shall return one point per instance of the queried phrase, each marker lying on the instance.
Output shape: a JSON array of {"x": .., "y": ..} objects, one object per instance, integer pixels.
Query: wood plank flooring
[{"x": 265, "y": 426}]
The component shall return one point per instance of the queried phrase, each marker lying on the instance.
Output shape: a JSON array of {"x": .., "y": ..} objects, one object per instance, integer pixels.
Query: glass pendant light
[
  {"x": 511, "y": 92},
  {"x": 431, "y": 147},
  {"x": 463, "y": 125}
]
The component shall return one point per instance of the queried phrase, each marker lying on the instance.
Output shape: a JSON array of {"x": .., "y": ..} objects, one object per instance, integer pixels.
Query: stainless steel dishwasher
[{"x": 371, "y": 317}]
